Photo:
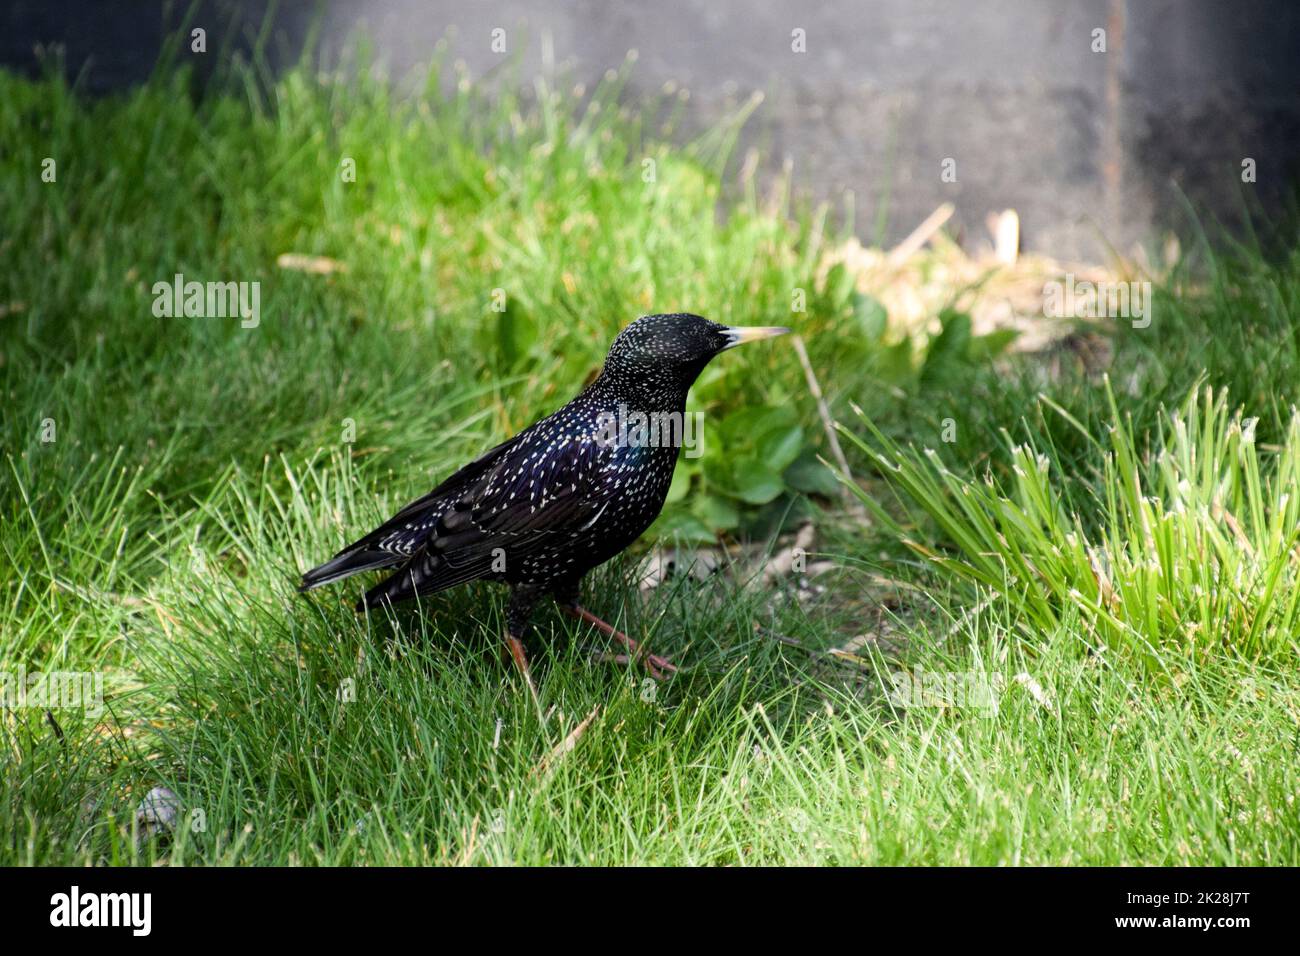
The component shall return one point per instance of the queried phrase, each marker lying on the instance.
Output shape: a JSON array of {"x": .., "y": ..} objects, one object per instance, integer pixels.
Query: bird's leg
[
  {"x": 658, "y": 667},
  {"x": 518, "y": 611}
]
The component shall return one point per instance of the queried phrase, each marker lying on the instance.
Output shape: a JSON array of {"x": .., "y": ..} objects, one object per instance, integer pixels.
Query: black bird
[{"x": 564, "y": 495}]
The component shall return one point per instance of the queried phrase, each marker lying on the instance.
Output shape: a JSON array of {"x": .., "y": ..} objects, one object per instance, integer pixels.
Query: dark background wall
[{"x": 1085, "y": 146}]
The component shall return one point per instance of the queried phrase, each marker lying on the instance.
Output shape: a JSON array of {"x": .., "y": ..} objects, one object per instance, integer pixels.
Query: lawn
[{"x": 1066, "y": 636}]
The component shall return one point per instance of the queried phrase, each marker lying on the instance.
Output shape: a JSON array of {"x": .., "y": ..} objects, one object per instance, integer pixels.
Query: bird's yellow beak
[{"x": 740, "y": 334}]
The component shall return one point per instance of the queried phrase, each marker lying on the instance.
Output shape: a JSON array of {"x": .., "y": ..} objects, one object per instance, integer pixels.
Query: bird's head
[{"x": 678, "y": 345}]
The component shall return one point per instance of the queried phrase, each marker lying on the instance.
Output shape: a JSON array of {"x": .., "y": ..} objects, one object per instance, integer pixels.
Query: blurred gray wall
[{"x": 1086, "y": 146}]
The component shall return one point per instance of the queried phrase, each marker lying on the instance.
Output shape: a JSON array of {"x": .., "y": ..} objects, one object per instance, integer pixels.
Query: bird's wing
[
  {"x": 400, "y": 537},
  {"x": 534, "y": 496}
]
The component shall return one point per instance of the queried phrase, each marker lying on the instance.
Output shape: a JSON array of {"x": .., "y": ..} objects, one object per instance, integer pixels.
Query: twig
[
  {"x": 920, "y": 235},
  {"x": 548, "y": 763},
  {"x": 815, "y": 387},
  {"x": 95, "y": 596},
  {"x": 828, "y": 424},
  {"x": 782, "y": 563},
  {"x": 317, "y": 265},
  {"x": 834, "y": 653},
  {"x": 1005, "y": 227}
]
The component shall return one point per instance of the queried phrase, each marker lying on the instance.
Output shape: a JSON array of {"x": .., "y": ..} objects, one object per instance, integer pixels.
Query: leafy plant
[{"x": 751, "y": 458}]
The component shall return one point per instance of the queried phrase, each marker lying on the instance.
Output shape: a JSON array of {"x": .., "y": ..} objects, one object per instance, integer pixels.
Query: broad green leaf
[
  {"x": 839, "y": 284},
  {"x": 680, "y": 485},
  {"x": 949, "y": 349},
  {"x": 717, "y": 512},
  {"x": 990, "y": 346},
  {"x": 811, "y": 477},
  {"x": 682, "y": 525},
  {"x": 870, "y": 317},
  {"x": 754, "y": 483},
  {"x": 780, "y": 446}
]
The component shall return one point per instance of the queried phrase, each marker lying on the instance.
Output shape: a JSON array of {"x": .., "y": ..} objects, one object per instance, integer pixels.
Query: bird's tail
[{"x": 344, "y": 565}]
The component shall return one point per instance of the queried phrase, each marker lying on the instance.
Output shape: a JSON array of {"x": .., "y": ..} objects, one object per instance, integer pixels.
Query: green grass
[
  {"x": 198, "y": 467},
  {"x": 1198, "y": 544}
]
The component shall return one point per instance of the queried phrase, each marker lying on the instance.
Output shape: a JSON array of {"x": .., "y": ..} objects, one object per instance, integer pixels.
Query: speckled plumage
[{"x": 542, "y": 509}]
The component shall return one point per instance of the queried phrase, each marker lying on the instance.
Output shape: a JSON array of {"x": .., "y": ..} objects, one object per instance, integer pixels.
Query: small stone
[{"x": 158, "y": 811}]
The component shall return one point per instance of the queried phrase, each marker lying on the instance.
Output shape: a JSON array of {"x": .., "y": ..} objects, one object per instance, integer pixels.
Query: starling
[{"x": 566, "y": 494}]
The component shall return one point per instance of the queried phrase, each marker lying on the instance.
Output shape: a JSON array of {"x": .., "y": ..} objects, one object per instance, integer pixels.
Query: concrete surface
[{"x": 1086, "y": 146}]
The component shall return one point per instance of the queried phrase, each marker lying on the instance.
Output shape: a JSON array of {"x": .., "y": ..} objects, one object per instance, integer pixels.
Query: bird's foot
[{"x": 658, "y": 667}]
